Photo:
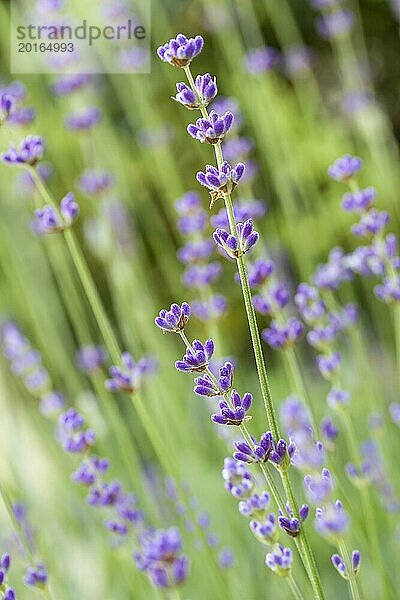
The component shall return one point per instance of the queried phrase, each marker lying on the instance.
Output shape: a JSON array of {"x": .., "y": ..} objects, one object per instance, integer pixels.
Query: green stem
[
  {"x": 305, "y": 553},
  {"x": 354, "y": 592},
  {"x": 294, "y": 588}
]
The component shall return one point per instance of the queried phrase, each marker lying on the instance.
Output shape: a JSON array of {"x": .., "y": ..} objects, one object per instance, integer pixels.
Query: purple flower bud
[
  {"x": 222, "y": 181},
  {"x": 5, "y": 562},
  {"x": 339, "y": 565},
  {"x": 181, "y": 50},
  {"x": 196, "y": 357},
  {"x": 213, "y": 129},
  {"x": 233, "y": 412},
  {"x": 259, "y": 453},
  {"x": 265, "y": 531},
  {"x": 174, "y": 319},
  {"x": 206, "y": 90},
  {"x": 257, "y": 505},
  {"x": 355, "y": 561},
  {"x": 260, "y": 271}
]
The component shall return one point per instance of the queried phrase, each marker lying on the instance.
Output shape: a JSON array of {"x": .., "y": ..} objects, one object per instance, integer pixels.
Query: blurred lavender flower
[
  {"x": 283, "y": 336},
  {"x": 298, "y": 60},
  {"x": 213, "y": 308},
  {"x": 261, "y": 60},
  {"x": 71, "y": 434},
  {"x": 94, "y": 181},
  {"x": 66, "y": 84},
  {"x": 30, "y": 152},
  {"x": 213, "y": 129},
  {"x": 334, "y": 272},
  {"x": 329, "y": 364},
  {"x": 36, "y": 576},
  {"x": 318, "y": 487},
  {"x": 181, "y": 50},
  {"x": 199, "y": 275},
  {"x": 371, "y": 223},
  {"x": 90, "y": 470},
  {"x": 159, "y": 556},
  {"x": 47, "y": 220},
  {"x": 331, "y": 520},
  {"x": 359, "y": 201},
  {"x": 238, "y": 480},
  {"x": 280, "y": 560},
  {"x": 259, "y": 271},
  {"x": 91, "y": 358},
  {"x": 129, "y": 377},
  {"x": 255, "y": 506},
  {"x": 226, "y": 558},
  {"x": 273, "y": 300},
  {"x": 265, "y": 530},
  {"x": 84, "y": 119},
  {"x": 339, "y": 565},
  {"x": 335, "y": 24},
  {"x": 206, "y": 90},
  {"x": 337, "y": 398},
  {"x": 345, "y": 167}
]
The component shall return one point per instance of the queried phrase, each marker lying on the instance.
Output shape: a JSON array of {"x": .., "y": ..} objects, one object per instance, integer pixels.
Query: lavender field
[{"x": 200, "y": 303}]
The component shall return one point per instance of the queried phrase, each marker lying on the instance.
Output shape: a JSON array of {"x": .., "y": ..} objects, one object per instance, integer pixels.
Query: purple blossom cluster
[
  {"x": 379, "y": 257},
  {"x": 8, "y": 592},
  {"x": 51, "y": 220},
  {"x": 129, "y": 376},
  {"x": 12, "y": 110},
  {"x": 160, "y": 557}
]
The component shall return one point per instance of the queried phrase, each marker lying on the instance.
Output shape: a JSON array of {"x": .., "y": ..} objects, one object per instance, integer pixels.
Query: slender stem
[
  {"x": 355, "y": 594},
  {"x": 306, "y": 552},
  {"x": 294, "y": 588}
]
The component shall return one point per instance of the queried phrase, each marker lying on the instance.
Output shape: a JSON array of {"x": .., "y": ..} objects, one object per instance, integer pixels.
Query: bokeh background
[{"x": 320, "y": 99}]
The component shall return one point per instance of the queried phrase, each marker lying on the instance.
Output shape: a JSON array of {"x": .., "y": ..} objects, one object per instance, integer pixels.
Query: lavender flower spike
[
  {"x": 233, "y": 412},
  {"x": 30, "y": 152},
  {"x": 213, "y": 129},
  {"x": 47, "y": 220},
  {"x": 222, "y": 181},
  {"x": 331, "y": 520},
  {"x": 206, "y": 386},
  {"x": 175, "y": 319},
  {"x": 282, "y": 454},
  {"x": 206, "y": 90},
  {"x": 280, "y": 561},
  {"x": 180, "y": 51},
  {"x": 345, "y": 168},
  {"x": 196, "y": 357}
]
